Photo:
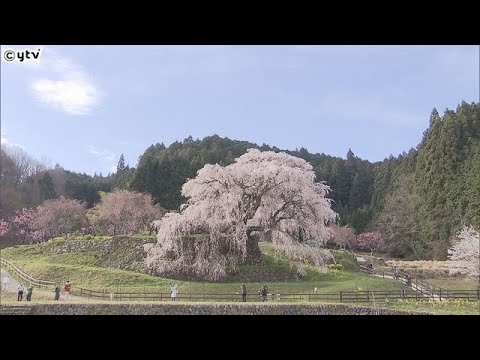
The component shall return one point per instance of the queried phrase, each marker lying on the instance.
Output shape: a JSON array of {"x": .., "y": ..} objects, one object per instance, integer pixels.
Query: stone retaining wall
[{"x": 207, "y": 309}]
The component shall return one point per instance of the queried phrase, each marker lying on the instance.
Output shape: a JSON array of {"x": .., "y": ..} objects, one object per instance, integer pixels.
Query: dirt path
[
  {"x": 13, "y": 283},
  {"x": 415, "y": 287}
]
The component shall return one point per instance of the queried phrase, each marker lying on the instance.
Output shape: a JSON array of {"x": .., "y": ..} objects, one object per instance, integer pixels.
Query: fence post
[
  {"x": 383, "y": 274},
  {"x": 440, "y": 293},
  {"x": 341, "y": 300},
  {"x": 308, "y": 297}
]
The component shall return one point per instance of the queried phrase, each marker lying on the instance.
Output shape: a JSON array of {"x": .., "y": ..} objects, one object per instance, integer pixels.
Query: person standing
[
  {"x": 264, "y": 293},
  {"x": 66, "y": 290},
  {"x": 29, "y": 292},
  {"x": 57, "y": 292},
  {"x": 173, "y": 292},
  {"x": 244, "y": 293},
  {"x": 5, "y": 283},
  {"x": 20, "y": 292},
  {"x": 395, "y": 273}
]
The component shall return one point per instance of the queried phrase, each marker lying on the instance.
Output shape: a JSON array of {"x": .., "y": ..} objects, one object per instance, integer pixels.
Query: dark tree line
[{"x": 417, "y": 199}]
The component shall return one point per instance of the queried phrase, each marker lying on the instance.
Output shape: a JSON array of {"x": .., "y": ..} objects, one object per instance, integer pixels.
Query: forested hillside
[{"x": 417, "y": 199}]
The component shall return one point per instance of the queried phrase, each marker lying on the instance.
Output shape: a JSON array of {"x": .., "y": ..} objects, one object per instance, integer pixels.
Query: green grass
[
  {"x": 92, "y": 277},
  {"x": 455, "y": 283},
  {"x": 82, "y": 269},
  {"x": 98, "y": 237},
  {"x": 451, "y": 307},
  {"x": 70, "y": 238},
  {"x": 40, "y": 296}
]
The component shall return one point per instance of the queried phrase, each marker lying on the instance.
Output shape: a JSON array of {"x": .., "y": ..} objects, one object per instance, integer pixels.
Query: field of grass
[
  {"x": 421, "y": 268},
  {"x": 97, "y": 268},
  {"x": 433, "y": 272},
  {"x": 451, "y": 307},
  {"x": 82, "y": 270},
  {"x": 455, "y": 283},
  {"x": 42, "y": 296}
]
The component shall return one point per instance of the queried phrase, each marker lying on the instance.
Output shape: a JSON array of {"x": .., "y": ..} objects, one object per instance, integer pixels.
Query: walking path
[
  {"x": 13, "y": 283},
  {"x": 415, "y": 287}
]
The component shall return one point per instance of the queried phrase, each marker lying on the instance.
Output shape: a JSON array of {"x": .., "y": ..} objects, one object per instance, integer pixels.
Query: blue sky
[{"x": 82, "y": 106}]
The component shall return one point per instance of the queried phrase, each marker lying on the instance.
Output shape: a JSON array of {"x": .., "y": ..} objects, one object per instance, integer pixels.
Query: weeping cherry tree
[{"x": 262, "y": 196}]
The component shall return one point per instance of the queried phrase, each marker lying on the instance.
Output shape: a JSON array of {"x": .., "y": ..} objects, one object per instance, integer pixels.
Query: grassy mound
[{"x": 118, "y": 263}]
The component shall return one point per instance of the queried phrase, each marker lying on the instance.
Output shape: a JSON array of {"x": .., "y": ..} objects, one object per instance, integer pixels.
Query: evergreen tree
[
  {"x": 46, "y": 187},
  {"x": 121, "y": 164}
]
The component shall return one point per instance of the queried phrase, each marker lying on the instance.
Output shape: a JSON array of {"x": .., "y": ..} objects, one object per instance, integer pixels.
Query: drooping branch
[{"x": 263, "y": 195}]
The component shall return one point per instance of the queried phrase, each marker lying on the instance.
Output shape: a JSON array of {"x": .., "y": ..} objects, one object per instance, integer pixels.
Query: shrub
[{"x": 335, "y": 267}]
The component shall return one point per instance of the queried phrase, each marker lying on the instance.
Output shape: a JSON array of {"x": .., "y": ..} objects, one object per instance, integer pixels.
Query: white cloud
[
  {"x": 75, "y": 97},
  {"x": 6, "y": 142},
  {"x": 67, "y": 87},
  {"x": 103, "y": 154},
  {"x": 61, "y": 83},
  {"x": 107, "y": 157}
]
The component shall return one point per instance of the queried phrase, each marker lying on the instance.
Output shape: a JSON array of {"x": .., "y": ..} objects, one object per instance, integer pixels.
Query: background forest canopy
[{"x": 418, "y": 200}]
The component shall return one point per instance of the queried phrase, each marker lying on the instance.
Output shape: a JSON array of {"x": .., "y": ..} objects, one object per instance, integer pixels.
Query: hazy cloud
[
  {"x": 106, "y": 156},
  {"x": 7, "y": 142},
  {"x": 102, "y": 154},
  {"x": 67, "y": 86}
]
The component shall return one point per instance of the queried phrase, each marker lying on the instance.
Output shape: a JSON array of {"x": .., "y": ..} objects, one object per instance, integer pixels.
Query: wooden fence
[
  {"x": 26, "y": 277},
  {"x": 342, "y": 296}
]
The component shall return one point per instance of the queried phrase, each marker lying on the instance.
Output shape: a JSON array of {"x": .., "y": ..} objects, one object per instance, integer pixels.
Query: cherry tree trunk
[{"x": 254, "y": 254}]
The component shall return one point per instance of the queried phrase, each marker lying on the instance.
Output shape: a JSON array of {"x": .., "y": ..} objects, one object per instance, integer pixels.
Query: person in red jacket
[{"x": 66, "y": 290}]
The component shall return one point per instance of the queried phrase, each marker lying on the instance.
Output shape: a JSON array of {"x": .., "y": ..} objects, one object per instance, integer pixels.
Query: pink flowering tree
[
  {"x": 60, "y": 217},
  {"x": 369, "y": 241},
  {"x": 23, "y": 228},
  {"x": 262, "y": 196},
  {"x": 342, "y": 236},
  {"x": 125, "y": 212},
  {"x": 464, "y": 257},
  {"x": 4, "y": 227}
]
